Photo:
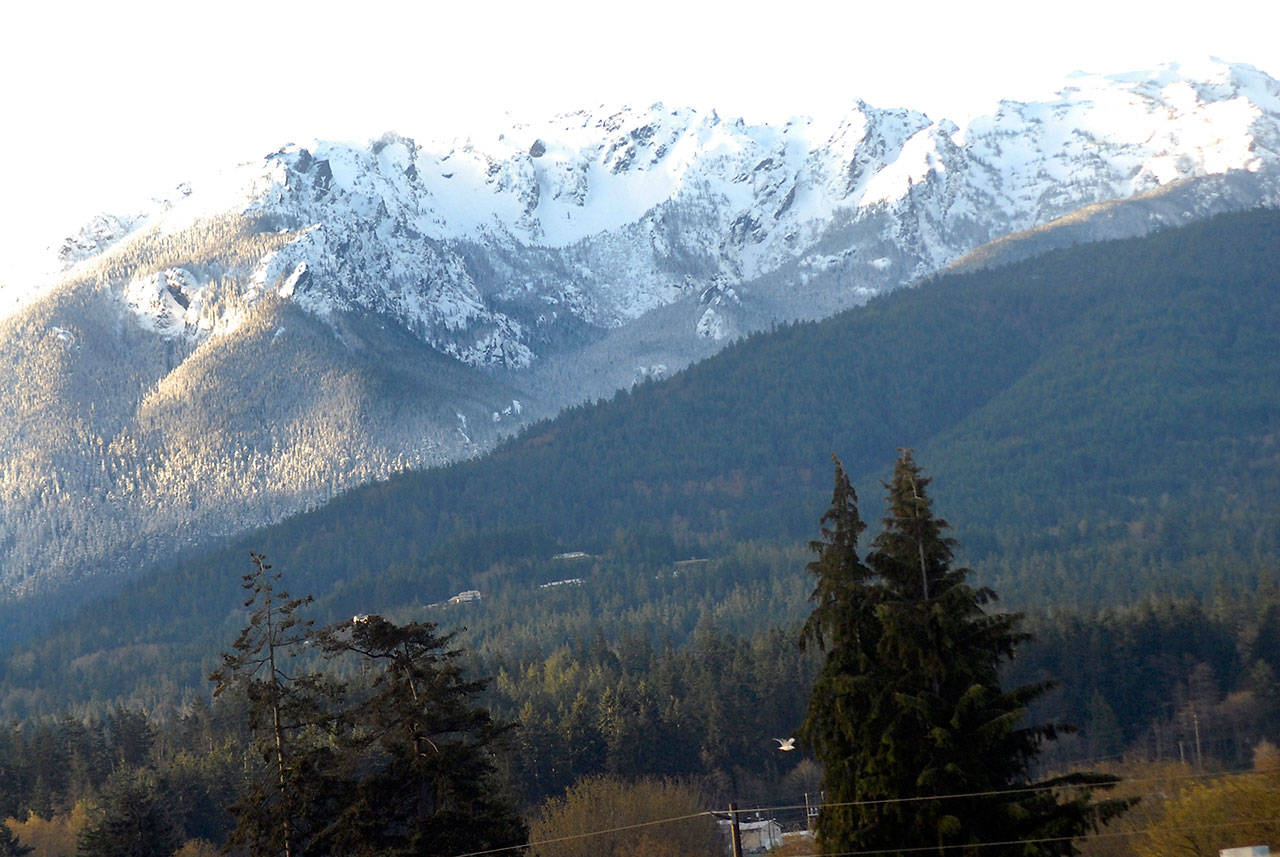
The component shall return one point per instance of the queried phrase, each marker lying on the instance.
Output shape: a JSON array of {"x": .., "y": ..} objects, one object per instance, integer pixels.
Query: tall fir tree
[
  {"x": 922, "y": 747},
  {"x": 282, "y": 704},
  {"x": 422, "y": 774},
  {"x": 845, "y": 627}
]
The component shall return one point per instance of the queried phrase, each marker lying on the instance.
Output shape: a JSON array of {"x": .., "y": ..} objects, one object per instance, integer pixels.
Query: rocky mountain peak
[
  {"x": 597, "y": 217},
  {"x": 332, "y": 313}
]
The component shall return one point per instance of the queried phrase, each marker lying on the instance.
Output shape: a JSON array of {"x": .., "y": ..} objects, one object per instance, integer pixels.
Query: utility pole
[
  {"x": 735, "y": 832},
  {"x": 1195, "y": 722}
]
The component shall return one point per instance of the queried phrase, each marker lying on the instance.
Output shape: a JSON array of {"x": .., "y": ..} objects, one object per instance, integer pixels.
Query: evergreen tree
[
  {"x": 9, "y": 844},
  {"x": 844, "y": 625},
  {"x": 281, "y": 706},
  {"x": 423, "y": 778},
  {"x": 922, "y": 746},
  {"x": 130, "y": 820}
]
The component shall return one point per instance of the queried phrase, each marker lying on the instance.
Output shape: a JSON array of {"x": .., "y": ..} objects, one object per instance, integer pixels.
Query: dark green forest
[
  {"x": 1102, "y": 422},
  {"x": 1101, "y": 425},
  {"x": 911, "y": 703},
  {"x": 1166, "y": 680}
]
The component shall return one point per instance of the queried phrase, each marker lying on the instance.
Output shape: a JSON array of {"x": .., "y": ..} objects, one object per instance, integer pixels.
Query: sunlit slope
[{"x": 1101, "y": 422}]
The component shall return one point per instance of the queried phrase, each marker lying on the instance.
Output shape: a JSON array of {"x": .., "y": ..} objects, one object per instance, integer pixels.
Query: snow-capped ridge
[
  {"x": 485, "y": 247},
  {"x": 334, "y": 313}
]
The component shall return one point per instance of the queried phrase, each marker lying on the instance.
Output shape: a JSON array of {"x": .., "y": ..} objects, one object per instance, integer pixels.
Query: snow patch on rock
[
  {"x": 484, "y": 247},
  {"x": 168, "y": 302}
]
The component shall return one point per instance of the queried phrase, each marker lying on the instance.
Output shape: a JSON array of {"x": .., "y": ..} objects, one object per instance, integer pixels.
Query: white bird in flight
[{"x": 787, "y": 744}]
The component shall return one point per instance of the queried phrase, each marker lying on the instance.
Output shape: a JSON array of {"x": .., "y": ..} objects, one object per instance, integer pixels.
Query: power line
[
  {"x": 1021, "y": 790},
  {"x": 1045, "y": 840},
  {"x": 588, "y": 835},
  {"x": 915, "y": 798},
  {"x": 901, "y": 850}
]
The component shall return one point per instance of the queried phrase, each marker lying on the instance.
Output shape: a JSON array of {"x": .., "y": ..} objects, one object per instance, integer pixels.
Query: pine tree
[
  {"x": 130, "y": 820},
  {"x": 423, "y": 777},
  {"x": 280, "y": 706},
  {"x": 398, "y": 760},
  {"x": 843, "y": 624},
  {"x": 923, "y": 748}
]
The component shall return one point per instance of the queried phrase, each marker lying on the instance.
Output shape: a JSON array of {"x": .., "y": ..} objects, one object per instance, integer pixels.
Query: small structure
[
  {"x": 757, "y": 836},
  {"x": 572, "y": 581},
  {"x": 760, "y": 836},
  {"x": 1247, "y": 851},
  {"x": 464, "y": 597}
]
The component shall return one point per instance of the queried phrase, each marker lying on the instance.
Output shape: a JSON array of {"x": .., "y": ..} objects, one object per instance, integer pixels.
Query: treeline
[
  {"x": 586, "y": 652},
  {"x": 709, "y": 711},
  {"x": 633, "y": 699},
  {"x": 390, "y": 754},
  {"x": 56, "y": 776},
  {"x": 641, "y": 584},
  {"x": 1103, "y": 418},
  {"x": 1166, "y": 681},
  {"x": 1195, "y": 681}
]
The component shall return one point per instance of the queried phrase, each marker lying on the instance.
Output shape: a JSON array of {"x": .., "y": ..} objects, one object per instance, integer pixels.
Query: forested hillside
[
  {"x": 1169, "y": 681},
  {"x": 264, "y": 338},
  {"x": 1100, "y": 421},
  {"x": 119, "y": 445}
]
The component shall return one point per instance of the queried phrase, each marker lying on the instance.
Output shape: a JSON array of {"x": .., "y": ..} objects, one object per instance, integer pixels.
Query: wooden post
[
  {"x": 735, "y": 832},
  {"x": 1195, "y": 720}
]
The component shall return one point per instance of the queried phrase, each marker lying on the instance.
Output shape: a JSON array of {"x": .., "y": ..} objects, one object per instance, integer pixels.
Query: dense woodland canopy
[
  {"x": 630, "y": 704},
  {"x": 1100, "y": 424},
  {"x": 1101, "y": 419}
]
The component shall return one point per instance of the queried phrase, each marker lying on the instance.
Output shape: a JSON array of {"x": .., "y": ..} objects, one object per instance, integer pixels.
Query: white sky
[{"x": 107, "y": 102}]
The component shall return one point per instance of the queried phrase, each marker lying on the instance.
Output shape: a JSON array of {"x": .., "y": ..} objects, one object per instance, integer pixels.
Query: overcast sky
[{"x": 105, "y": 103}]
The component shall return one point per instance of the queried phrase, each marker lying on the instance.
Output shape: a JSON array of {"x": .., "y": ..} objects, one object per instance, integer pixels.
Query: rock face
[
  {"x": 488, "y": 250},
  {"x": 334, "y": 313}
]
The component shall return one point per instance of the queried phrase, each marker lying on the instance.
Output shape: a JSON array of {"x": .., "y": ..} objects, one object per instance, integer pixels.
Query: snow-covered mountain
[
  {"x": 332, "y": 313},
  {"x": 483, "y": 247}
]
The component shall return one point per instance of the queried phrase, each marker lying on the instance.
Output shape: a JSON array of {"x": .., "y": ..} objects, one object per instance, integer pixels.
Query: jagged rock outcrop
[{"x": 333, "y": 313}]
